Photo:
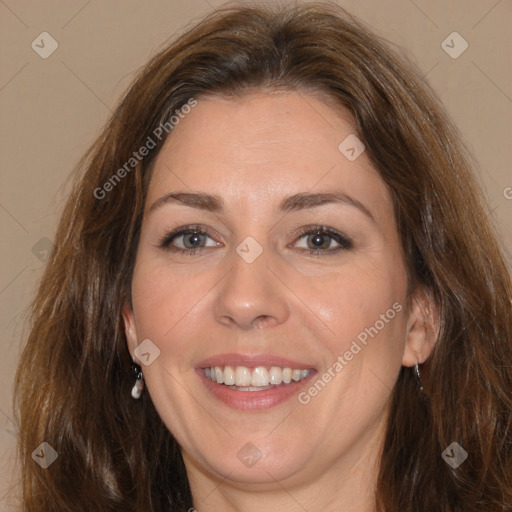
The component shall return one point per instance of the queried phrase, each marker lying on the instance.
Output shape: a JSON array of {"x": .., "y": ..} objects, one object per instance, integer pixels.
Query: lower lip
[{"x": 253, "y": 400}]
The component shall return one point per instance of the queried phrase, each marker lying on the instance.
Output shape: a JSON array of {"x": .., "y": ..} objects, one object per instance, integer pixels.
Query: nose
[{"x": 251, "y": 295}]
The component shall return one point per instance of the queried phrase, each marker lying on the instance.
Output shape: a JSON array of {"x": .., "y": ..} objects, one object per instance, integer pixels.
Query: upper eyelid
[
  {"x": 304, "y": 230},
  {"x": 184, "y": 230}
]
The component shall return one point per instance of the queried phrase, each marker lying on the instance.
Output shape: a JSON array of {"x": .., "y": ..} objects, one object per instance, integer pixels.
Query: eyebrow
[{"x": 296, "y": 202}]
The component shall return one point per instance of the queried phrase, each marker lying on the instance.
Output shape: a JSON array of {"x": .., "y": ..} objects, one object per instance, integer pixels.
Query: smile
[
  {"x": 260, "y": 378},
  {"x": 253, "y": 382}
]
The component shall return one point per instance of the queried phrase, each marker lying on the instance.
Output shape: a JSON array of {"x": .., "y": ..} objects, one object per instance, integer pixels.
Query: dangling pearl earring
[{"x": 139, "y": 382}]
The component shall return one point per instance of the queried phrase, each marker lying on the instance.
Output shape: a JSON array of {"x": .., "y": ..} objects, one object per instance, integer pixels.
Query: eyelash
[{"x": 345, "y": 243}]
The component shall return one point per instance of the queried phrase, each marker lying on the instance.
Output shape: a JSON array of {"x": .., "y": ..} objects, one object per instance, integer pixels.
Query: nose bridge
[{"x": 250, "y": 291}]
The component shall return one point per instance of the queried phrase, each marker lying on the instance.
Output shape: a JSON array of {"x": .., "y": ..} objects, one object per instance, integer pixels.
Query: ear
[
  {"x": 423, "y": 325},
  {"x": 130, "y": 328}
]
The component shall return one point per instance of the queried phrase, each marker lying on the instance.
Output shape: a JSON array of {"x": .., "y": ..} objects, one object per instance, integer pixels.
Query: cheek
[
  {"x": 365, "y": 314},
  {"x": 363, "y": 310},
  {"x": 165, "y": 300},
  {"x": 173, "y": 308},
  {"x": 357, "y": 299}
]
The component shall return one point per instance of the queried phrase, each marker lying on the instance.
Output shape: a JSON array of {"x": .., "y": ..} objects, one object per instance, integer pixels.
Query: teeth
[
  {"x": 259, "y": 377},
  {"x": 242, "y": 376},
  {"x": 229, "y": 376},
  {"x": 276, "y": 375},
  {"x": 219, "y": 375},
  {"x": 250, "y": 388},
  {"x": 254, "y": 379}
]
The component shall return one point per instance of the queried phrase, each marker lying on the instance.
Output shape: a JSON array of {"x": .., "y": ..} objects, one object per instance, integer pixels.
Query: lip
[
  {"x": 252, "y": 361},
  {"x": 253, "y": 400}
]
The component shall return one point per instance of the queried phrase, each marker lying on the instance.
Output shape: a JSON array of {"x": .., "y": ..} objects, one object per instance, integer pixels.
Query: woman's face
[{"x": 294, "y": 272}]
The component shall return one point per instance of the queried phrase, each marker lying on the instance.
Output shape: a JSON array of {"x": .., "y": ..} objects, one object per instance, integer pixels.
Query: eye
[
  {"x": 317, "y": 239},
  {"x": 321, "y": 239},
  {"x": 188, "y": 240}
]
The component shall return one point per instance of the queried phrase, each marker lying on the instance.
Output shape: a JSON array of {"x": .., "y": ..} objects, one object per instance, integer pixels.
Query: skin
[{"x": 253, "y": 152}]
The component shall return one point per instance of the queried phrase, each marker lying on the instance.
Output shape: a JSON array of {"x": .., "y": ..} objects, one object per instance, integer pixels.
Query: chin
[{"x": 261, "y": 462}]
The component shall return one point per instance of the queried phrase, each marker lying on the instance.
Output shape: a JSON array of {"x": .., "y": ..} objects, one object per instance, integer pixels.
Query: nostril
[{"x": 261, "y": 321}]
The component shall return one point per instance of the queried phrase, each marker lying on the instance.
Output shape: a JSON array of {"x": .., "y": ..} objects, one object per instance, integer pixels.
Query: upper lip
[{"x": 252, "y": 361}]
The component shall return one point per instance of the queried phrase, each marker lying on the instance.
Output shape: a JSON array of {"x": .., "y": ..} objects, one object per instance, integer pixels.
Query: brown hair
[{"x": 74, "y": 380}]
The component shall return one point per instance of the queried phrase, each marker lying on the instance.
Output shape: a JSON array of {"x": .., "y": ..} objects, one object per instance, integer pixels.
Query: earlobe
[
  {"x": 422, "y": 329},
  {"x": 129, "y": 327}
]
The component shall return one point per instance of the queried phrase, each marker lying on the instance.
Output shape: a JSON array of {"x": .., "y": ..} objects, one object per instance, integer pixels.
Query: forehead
[{"x": 264, "y": 145}]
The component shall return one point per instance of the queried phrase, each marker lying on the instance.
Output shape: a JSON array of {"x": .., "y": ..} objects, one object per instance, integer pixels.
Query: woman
[{"x": 270, "y": 290}]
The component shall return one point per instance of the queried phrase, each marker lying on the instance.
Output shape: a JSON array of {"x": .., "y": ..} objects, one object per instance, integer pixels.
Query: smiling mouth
[{"x": 260, "y": 378}]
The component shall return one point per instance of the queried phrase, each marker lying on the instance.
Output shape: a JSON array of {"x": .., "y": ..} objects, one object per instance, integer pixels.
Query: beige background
[{"x": 52, "y": 109}]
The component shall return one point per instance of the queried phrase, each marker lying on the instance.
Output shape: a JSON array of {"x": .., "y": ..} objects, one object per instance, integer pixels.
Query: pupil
[
  {"x": 194, "y": 239},
  {"x": 318, "y": 240}
]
